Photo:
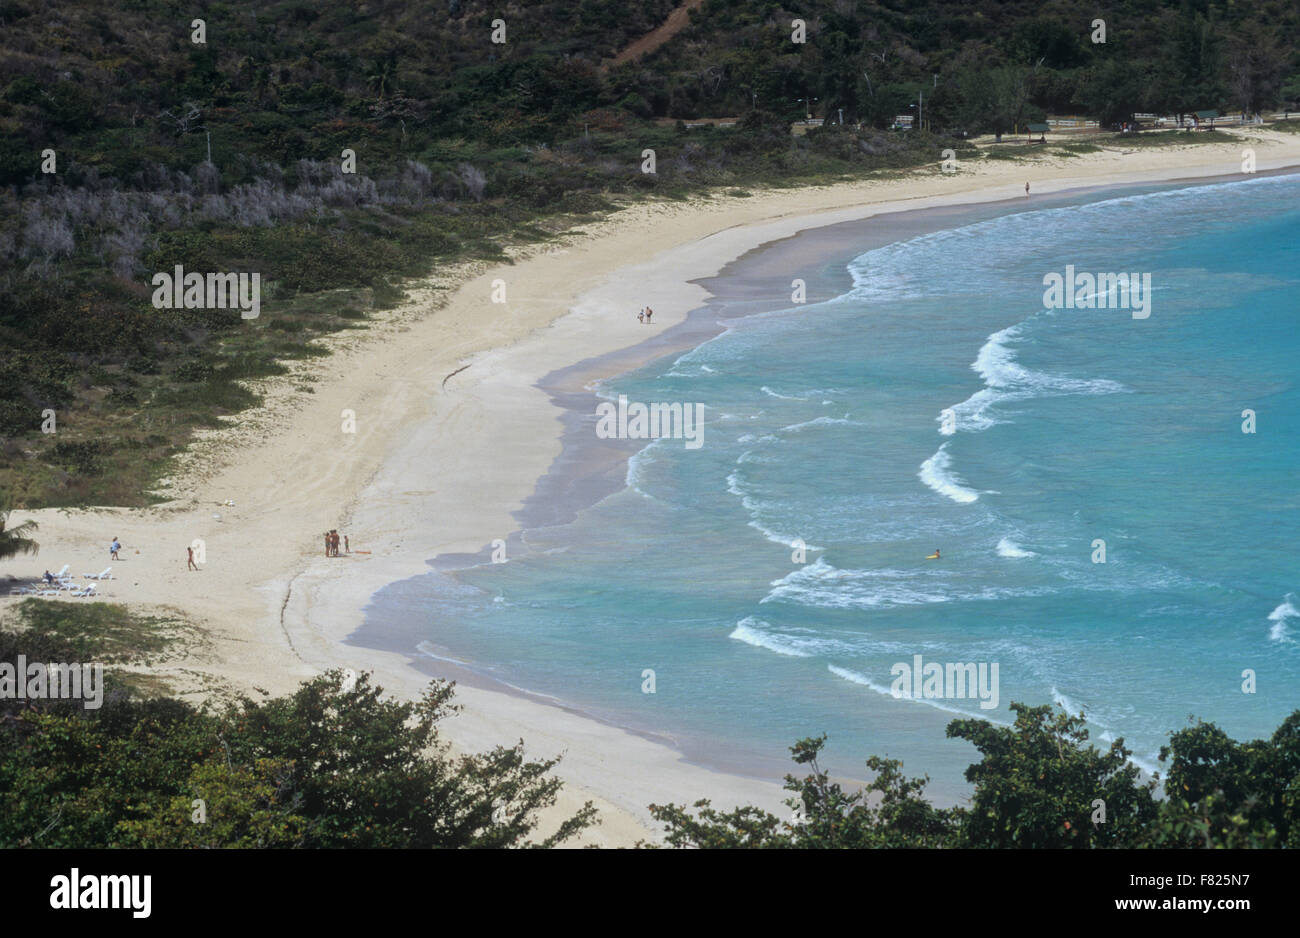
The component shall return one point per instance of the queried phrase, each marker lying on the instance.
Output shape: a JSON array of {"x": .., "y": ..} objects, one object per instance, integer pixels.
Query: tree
[
  {"x": 1057, "y": 43},
  {"x": 16, "y": 540},
  {"x": 370, "y": 772},
  {"x": 1256, "y": 66},
  {"x": 979, "y": 99},
  {"x": 1036, "y": 785},
  {"x": 333, "y": 765},
  {"x": 382, "y": 74},
  {"x": 1188, "y": 77},
  {"x": 824, "y": 815},
  {"x": 1212, "y": 822},
  {"x": 1113, "y": 91},
  {"x": 238, "y": 807},
  {"x": 1238, "y": 790}
]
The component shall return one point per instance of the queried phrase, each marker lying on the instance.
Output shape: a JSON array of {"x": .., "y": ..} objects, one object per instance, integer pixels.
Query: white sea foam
[
  {"x": 777, "y": 537},
  {"x": 1106, "y": 734},
  {"x": 426, "y": 648},
  {"x": 636, "y": 469},
  {"x": 1073, "y": 708},
  {"x": 1009, "y": 548},
  {"x": 816, "y": 422},
  {"x": 823, "y": 585},
  {"x": 736, "y": 486},
  {"x": 937, "y": 703},
  {"x": 785, "y": 397},
  {"x": 859, "y": 678},
  {"x": 936, "y": 472},
  {"x": 1006, "y": 380},
  {"x": 1279, "y": 631},
  {"x": 749, "y": 630}
]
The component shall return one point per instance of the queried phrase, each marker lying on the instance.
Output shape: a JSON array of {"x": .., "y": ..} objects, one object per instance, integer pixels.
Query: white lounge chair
[
  {"x": 100, "y": 576},
  {"x": 88, "y": 591},
  {"x": 64, "y": 572}
]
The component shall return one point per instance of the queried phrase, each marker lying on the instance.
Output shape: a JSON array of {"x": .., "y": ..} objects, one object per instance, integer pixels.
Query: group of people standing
[
  {"x": 644, "y": 315},
  {"x": 332, "y": 544}
]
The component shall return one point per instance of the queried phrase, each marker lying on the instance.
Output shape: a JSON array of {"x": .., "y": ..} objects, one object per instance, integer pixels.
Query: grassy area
[
  {"x": 1010, "y": 151},
  {"x": 118, "y": 421},
  {"x": 1166, "y": 138},
  {"x": 95, "y": 631},
  {"x": 1074, "y": 149}
]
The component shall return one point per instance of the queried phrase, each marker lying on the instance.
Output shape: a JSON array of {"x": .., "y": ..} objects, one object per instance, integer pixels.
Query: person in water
[{"x": 934, "y": 556}]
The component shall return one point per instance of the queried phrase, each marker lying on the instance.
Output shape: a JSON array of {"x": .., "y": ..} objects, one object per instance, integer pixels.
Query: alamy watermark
[
  {"x": 949, "y": 681},
  {"x": 39, "y": 681},
  {"x": 80, "y": 890},
  {"x": 1098, "y": 291},
  {"x": 656, "y": 421},
  {"x": 214, "y": 291}
]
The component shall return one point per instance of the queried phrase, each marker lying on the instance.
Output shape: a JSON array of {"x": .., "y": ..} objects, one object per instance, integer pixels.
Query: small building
[
  {"x": 1206, "y": 117},
  {"x": 1041, "y": 130}
]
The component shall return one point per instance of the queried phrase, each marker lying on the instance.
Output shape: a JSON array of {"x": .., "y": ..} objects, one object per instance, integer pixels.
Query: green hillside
[{"x": 227, "y": 155}]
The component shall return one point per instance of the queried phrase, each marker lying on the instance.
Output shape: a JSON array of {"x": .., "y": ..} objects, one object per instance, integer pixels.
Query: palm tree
[
  {"x": 14, "y": 541},
  {"x": 383, "y": 73}
]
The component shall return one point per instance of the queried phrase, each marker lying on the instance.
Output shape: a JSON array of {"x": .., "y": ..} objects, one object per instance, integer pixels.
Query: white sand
[{"x": 432, "y": 470}]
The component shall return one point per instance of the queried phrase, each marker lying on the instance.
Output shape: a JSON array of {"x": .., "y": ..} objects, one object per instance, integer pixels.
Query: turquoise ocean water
[{"x": 824, "y": 422}]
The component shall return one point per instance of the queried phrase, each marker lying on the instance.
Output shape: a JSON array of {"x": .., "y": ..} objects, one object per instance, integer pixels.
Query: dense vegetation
[
  {"x": 335, "y": 764},
  {"x": 227, "y": 155},
  {"x": 1037, "y": 786}
]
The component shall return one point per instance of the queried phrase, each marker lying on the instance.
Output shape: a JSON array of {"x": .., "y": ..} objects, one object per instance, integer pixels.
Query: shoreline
[
  {"x": 421, "y": 477},
  {"x": 587, "y": 471}
]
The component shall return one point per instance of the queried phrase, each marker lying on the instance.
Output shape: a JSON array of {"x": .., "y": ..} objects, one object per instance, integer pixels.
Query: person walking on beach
[
  {"x": 189, "y": 560},
  {"x": 327, "y": 543},
  {"x": 640, "y": 316},
  {"x": 346, "y": 548},
  {"x": 114, "y": 547},
  {"x": 1026, "y": 190},
  {"x": 648, "y": 313}
]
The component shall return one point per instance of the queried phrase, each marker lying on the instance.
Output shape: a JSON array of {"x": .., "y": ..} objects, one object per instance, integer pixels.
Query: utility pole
[
  {"x": 209, "y": 136},
  {"x": 918, "y": 110},
  {"x": 841, "y": 110}
]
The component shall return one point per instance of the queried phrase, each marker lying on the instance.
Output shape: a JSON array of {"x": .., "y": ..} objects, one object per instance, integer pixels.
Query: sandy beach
[{"x": 451, "y": 436}]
